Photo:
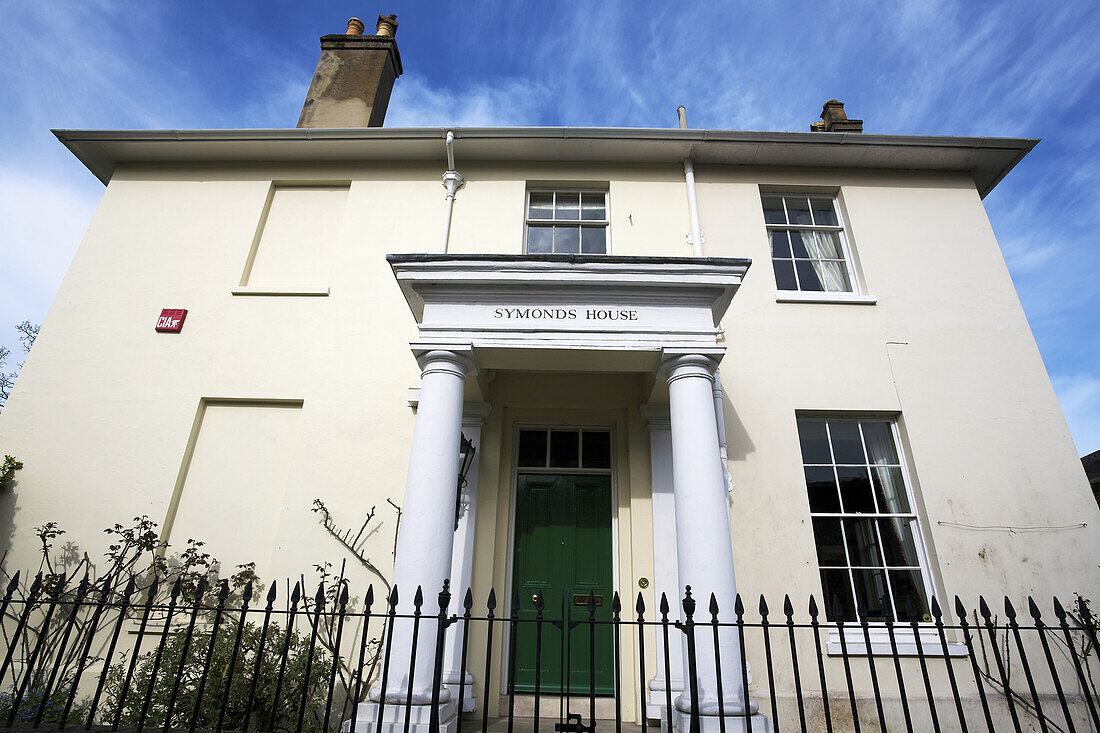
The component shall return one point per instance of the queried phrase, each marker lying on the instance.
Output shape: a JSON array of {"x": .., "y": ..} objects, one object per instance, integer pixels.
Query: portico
[{"x": 480, "y": 316}]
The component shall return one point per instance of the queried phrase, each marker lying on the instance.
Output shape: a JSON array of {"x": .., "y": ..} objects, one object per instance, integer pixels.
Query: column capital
[
  {"x": 474, "y": 414},
  {"x": 656, "y": 417},
  {"x": 455, "y": 358},
  {"x": 679, "y": 364}
]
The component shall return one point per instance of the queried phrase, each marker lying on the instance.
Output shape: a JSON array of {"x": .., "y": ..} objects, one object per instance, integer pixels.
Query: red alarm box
[{"x": 171, "y": 320}]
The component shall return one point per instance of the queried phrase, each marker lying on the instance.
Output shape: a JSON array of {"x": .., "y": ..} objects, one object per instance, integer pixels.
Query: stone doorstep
[
  {"x": 551, "y": 705},
  {"x": 546, "y": 725}
]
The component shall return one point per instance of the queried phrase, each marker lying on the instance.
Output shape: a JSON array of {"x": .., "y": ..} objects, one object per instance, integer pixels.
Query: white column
[
  {"x": 462, "y": 562},
  {"x": 665, "y": 576},
  {"x": 425, "y": 542},
  {"x": 704, "y": 543}
]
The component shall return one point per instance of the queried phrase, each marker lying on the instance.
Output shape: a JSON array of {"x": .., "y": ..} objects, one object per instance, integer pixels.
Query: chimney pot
[
  {"x": 833, "y": 119},
  {"x": 387, "y": 25},
  {"x": 355, "y": 27}
]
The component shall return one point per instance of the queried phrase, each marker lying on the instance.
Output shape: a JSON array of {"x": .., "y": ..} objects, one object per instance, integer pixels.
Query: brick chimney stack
[
  {"x": 833, "y": 119},
  {"x": 354, "y": 77}
]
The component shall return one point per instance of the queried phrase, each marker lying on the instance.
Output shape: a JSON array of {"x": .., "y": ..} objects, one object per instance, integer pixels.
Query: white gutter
[{"x": 452, "y": 181}]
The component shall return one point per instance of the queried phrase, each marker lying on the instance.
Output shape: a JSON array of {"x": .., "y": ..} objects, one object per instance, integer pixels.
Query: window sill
[
  {"x": 903, "y": 637},
  {"x": 794, "y": 296},
  {"x": 308, "y": 292}
]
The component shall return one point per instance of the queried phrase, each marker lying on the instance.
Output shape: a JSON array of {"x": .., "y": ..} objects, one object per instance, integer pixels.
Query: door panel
[{"x": 563, "y": 549}]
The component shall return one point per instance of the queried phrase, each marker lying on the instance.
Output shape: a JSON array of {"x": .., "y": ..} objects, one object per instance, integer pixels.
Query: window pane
[
  {"x": 540, "y": 239},
  {"x": 821, "y": 245},
  {"x": 890, "y": 490},
  {"x": 897, "y": 541},
  {"x": 541, "y": 206},
  {"x": 830, "y": 542},
  {"x": 823, "y": 212},
  {"x": 835, "y": 583},
  {"x": 847, "y": 447},
  {"x": 597, "y": 449},
  {"x": 784, "y": 275},
  {"x": 863, "y": 546},
  {"x": 880, "y": 442},
  {"x": 821, "y": 484},
  {"x": 532, "y": 449},
  {"x": 807, "y": 276},
  {"x": 815, "y": 443},
  {"x": 871, "y": 590},
  {"x": 593, "y": 240},
  {"x": 567, "y": 240},
  {"x": 592, "y": 206},
  {"x": 773, "y": 210},
  {"x": 798, "y": 246},
  {"x": 568, "y": 206},
  {"x": 780, "y": 245},
  {"x": 908, "y": 584},
  {"x": 855, "y": 490},
  {"x": 798, "y": 209},
  {"x": 564, "y": 449},
  {"x": 834, "y": 275}
]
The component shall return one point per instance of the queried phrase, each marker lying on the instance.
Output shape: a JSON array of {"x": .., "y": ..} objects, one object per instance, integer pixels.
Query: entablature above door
[{"x": 548, "y": 304}]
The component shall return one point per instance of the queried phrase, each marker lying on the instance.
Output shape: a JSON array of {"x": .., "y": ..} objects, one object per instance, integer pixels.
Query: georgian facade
[{"x": 748, "y": 362}]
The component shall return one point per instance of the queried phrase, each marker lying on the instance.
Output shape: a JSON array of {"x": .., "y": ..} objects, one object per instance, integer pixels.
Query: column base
[
  {"x": 656, "y": 698},
  {"x": 451, "y": 683},
  {"x": 681, "y": 723},
  {"x": 393, "y": 718}
]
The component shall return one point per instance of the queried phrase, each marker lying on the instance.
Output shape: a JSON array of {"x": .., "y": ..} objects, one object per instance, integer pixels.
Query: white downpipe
[
  {"x": 697, "y": 250},
  {"x": 689, "y": 181},
  {"x": 452, "y": 181},
  {"x": 693, "y": 209},
  {"x": 720, "y": 419}
]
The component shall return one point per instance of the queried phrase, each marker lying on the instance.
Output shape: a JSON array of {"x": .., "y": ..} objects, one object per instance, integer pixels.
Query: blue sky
[{"x": 967, "y": 68}]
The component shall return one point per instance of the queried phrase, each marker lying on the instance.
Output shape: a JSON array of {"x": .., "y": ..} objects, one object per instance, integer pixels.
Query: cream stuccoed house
[{"x": 763, "y": 363}]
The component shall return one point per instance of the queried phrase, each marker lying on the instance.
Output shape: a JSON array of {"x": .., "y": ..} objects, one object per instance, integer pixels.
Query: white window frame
[
  {"x": 605, "y": 223},
  {"x": 856, "y": 294},
  {"x": 927, "y": 635}
]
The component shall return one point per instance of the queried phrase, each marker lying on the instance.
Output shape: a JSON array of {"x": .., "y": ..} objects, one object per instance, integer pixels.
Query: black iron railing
[{"x": 140, "y": 655}]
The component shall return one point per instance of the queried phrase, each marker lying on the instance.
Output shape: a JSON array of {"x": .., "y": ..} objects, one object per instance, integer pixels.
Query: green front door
[{"x": 563, "y": 549}]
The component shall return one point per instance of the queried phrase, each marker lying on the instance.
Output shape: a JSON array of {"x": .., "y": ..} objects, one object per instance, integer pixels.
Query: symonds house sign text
[{"x": 566, "y": 314}]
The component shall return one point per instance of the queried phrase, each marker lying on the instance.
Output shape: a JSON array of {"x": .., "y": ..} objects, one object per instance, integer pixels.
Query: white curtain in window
[
  {"x": 826, "y": 246},
  {"x": 833, "y": 277},
  {"x": 881, "y": 451}
]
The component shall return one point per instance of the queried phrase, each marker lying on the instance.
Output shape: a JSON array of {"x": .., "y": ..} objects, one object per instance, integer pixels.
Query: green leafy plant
[
  {"x": 7, "y": 472},
  {"x": 261, "y": 708},
  {"x": 32, "y": 700}
]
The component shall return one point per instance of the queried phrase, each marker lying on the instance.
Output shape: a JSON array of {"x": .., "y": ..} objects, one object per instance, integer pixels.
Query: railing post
[
  {"x": 440, "y": 637},
  {"x": 693, "y": 680},
  {"x": 39, "y": 642},
  {"x": 47, "y": 692},
  {"x": 960, "y": 611},
  {"x": 991, "y": 630},
  {"x": 816, "y": 626},
  {"x": 246, "y": 596},
  {"x": 1060, "y": 612}
]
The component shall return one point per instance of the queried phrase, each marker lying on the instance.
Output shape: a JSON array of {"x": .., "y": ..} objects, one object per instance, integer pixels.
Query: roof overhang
[{"x": 986, "y": 160}]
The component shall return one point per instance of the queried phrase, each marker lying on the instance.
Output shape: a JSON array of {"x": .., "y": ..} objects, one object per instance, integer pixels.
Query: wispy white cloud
[
  {"x": 415, "y": 102},
  {"x": 43, "y": 221},
  {"x": 1079, "y": 395}
]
